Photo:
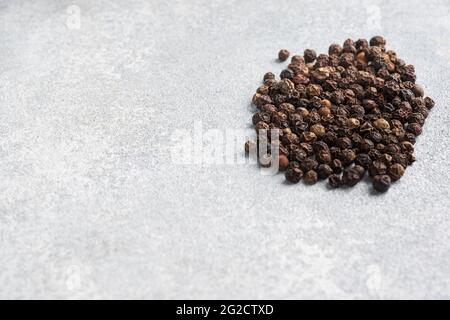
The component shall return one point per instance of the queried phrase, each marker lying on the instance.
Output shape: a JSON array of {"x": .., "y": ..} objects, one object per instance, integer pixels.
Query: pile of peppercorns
[{"x": 339, "y": 115}]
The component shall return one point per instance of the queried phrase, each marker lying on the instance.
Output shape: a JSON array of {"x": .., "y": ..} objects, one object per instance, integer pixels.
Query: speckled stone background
[{"x": 92, "y": 205}]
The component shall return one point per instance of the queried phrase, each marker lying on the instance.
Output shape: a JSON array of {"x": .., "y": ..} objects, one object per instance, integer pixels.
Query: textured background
[{"x": 92, "y": 205}]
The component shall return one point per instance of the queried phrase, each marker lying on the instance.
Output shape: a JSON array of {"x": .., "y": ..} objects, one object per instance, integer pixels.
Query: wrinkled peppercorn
[
  {"x": 308, "y": 164},
  {"x": 363, "y": 159},
  {"x": 283, "y": 162},
  {"x": 337, "y": 166},
  {"x": 334, "y": 181},
  {"x": 381, "y": 183},
  {"x": 311, "y": 177},
  {"x": 283, "y": 54},
  {"x": 351, "y": 177},
  {"x": 396, "y": 171},
  {"x": 377, "y": 168},
  {"x": 414, "y": 128},
  {"x": 294, "y": 175},
  {"x": 377, "y": 41},
  {"x": 265, "y": 160}
]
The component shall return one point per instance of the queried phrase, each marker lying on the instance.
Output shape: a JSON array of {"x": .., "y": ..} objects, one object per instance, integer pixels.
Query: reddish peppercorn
[
  {"x": 311, "y": 177},
  {"x": 283, "y": 162}
]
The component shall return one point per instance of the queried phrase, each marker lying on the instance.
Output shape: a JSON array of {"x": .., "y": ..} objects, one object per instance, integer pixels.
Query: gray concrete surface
[{"x": 92, "y": 204}]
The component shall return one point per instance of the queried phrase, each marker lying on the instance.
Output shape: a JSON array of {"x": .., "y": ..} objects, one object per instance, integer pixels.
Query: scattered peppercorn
[
  {"x": 339, "y": 114},
  {"x": 381, "y": 183},
  {"x": 283, "y": 54}
]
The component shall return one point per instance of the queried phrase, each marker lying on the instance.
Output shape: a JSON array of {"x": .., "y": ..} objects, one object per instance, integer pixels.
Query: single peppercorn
[
  {"x": 353, "y": 123},
  {"x": 269, "y": 76},
  {"x": 308, "y": 164},
  {"x": 310, "y": 55},
  {"x": 311, "y": 177},
  {"x": 318, "y": 130},
  {"x": 414, "y": 128},
  {"x": 287, "y": 74},
  {"x": 324, "y": 170},
  {"x": 250, "y": 146},
  {"x": 324, "y": 112},
  {"x": 396, "y": 171},
  {"x": 358, "y": 108},
  {"x": 283, "y": 54},
  {"x": 334, "y": 49},
  {"x": 297, "y": 59},
  {"x": 334, "y": 181},
  {"x": 294, "y": 175},
  {"x": 377, "y": 168},
  {"x": 265, "y": 160},
  {"x": 429, "y": 103},
  {"x": 351, "y": 177},
  {"x": 381, "y": 183},
  {"x": 324, "y": 156},
  {"x": 337, "y": 166},
  {"x": 344, "y": 143},
  {"x": 347, "y": 156},
  {"x": 381, "y": 124}
]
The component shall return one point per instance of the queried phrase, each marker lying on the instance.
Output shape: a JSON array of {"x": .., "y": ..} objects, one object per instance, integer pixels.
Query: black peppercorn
[
  {"x": 324, "y": 170},
  {"x": 287, "y": 74},
  {"x": 294, "y": 175},
  {"x": 357, "y": 108},
  {"x": 344, "y": 143},
  {"x": 334, "y": 181},
  {"x": 283, "y": 162},
  {"x": 377, "y": 41},
  {"x": 363, "y": 160},
  {"x": 381, "y": 183},
  {"x": 311, "y": 177},
  {"x": 347, "y": 156},
  {"x": 429, "y": 103},
  {"x": 265, "y": 160},
  {"x": 414, "y": 128},
  {"x": 396, "y": 171},
  {"x": 337, "y": 166},
  {"x": 269, "y": 75},
  {"x": 351, "y": 177}
]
